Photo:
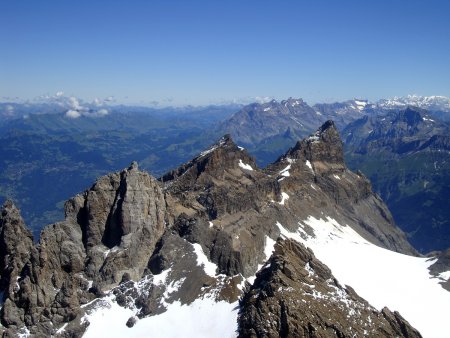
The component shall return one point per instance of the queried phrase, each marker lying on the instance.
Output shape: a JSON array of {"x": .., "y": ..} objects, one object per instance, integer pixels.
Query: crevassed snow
[
  {"x": 382, "y": 277},
  {"x": 284, "y": 197},
  {"x": 308, "y": 164},
  {"x": 209, "y": 267},
  {"x": 202, "y": 318},
  {"x": 285, "y": 171},
  {"x": 244, "y": 165}
]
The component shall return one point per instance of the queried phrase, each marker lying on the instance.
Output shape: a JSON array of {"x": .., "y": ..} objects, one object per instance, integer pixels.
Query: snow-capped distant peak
[
  {"x": 360, "y": 104},
  {"x": 435, "y": 102}
]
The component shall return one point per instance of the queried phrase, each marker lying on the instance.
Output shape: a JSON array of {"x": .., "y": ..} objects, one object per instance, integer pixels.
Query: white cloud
[
  {"x": 246, "y": 100},
  {"x": 59, "y": 94},
  {"x": 263, "y": 99},
  {"x": 73, "y": 114},
  {"x": 74, "y": 103}
]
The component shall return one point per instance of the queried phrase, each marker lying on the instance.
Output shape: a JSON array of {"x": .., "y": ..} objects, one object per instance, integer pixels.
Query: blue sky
[{"x": 199, "y": 52}]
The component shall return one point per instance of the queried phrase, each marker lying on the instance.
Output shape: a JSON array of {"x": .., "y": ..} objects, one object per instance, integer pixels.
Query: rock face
[
  {"x": 16, "y": 249},
  {"x": 15, "y": 244},
  {"x": 295, "y": 295},
  {"x": 110, "y": 230},
  {"x": 140, "y": 237},
  {"x": 121, "y": 217}
]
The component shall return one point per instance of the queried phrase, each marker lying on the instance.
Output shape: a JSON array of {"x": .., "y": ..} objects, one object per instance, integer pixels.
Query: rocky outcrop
[
  {"x": 16, "y": 249},
  {"x": 295, "y": 295},
  {"x": 16, "y": 242},
  {"x": 110, "y": 230}
]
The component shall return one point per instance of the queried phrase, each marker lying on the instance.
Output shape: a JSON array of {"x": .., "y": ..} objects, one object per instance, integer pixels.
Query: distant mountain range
[
  {"x": 437, "y": 105},
  {"x": 267, "y": 129},
  {"x": 74, "y": 107},
  {"x": 56, "y": 146}
]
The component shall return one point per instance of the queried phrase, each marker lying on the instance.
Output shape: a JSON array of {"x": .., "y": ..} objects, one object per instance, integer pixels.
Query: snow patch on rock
[
  {"x": 244, "y": 165},
  {"x": 285, "y": 171},
  {"x": 284, "y": 197},
  {"x": 209, "y": 267}
]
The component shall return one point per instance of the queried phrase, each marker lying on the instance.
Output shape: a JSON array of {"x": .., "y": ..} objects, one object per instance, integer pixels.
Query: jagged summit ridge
[
  {"x": 201, "y": 231},
  {"x": 322, "y": 148},
  {"x": 221, "y": 160}
]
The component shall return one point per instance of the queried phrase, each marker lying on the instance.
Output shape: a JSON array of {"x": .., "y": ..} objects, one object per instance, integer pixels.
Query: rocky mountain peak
[
  {"x": 412, "y": 116},
  {"x": 223, "y": 158},
  {"x": 326, "y": 133},
  {"x": 292, "y": 102},
  {"x": 408, "y": 130},
  {"x": 133, "y": 166},
  {"x": 256, "y": 122},
  {"x": 13, "y": 229},
  {"x": 322, "y": 149},
  {"x": 303, "y": 299},
  {"x": 16, "y": 242},
  {"x": 224, "y": 142},
  {"x": 437, "y": 103},
  {"x": 328, "y": 126}
]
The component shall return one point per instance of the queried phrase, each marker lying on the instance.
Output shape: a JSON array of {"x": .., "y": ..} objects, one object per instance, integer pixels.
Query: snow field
[{"x": 382, "y": 277}]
